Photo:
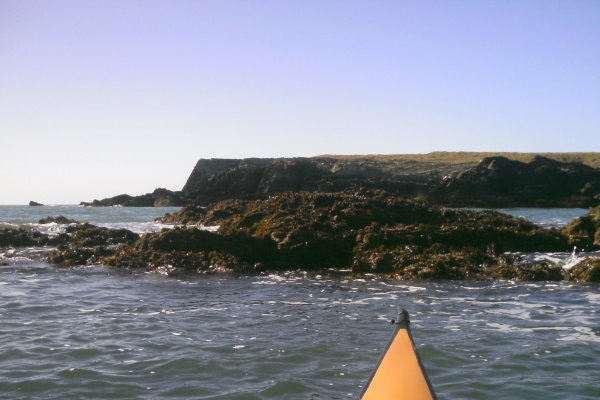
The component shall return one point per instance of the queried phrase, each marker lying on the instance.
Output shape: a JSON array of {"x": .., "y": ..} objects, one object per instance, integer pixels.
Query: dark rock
[
  {"x": 207, "y": 168},
  {"x": 587, "y": 270},
  {"x": 528, "y": 271},
  {"x": 91, "y": 235},
  {"x": 584, "y": 232},
  {"x": 365, "y": 231},
  {"x": 159, "y": 198},
  {"x": 22, "y": 238},
  {"x": 501, "y": 182},
  {"x": 57, "y": 220},
  {"x": 371, "y": 231},
  {"x": 216, "y": 180},
  {"x": 88, "y": 244},
  {"x": 494, "y": 182},
  {"x": 67, "y": 256},
  {"x": 35, "y": 204},
  {"x": 194, "y": 250}
]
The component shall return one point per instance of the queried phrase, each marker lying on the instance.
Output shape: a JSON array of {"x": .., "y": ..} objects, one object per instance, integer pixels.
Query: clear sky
[{"x": 104, "y": 97}]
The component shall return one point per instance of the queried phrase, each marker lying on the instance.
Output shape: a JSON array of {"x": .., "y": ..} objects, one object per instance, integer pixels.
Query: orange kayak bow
[{"x": 399, "y": 374}]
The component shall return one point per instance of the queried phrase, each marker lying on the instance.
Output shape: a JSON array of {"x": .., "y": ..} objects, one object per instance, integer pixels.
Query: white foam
[
  {"x": 13, "y": 294},
  {"x": 583, "y": 334},
  {"x": 413, "y": 289},
  {"x": 592, "y": 297},
  {"x": 507, "y": 328},
  {"x": 552, "y": 328}
]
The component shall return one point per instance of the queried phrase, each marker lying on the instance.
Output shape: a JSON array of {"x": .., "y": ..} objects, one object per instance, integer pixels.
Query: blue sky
[{"x": 99, "y": 98}]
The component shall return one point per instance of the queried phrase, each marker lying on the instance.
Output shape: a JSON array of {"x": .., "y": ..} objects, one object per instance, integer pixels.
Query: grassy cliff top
[{"x": 465, "y": 157}]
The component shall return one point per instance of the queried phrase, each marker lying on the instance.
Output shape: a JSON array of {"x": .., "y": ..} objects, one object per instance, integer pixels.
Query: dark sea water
[{"x": 99, "y": 333}]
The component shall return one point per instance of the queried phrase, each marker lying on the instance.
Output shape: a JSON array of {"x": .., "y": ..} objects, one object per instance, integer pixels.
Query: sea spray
[{"x": 573, "y": 260}]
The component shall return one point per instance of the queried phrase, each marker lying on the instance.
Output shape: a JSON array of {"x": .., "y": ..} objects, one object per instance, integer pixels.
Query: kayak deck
[{"x": 399, "y": 373}]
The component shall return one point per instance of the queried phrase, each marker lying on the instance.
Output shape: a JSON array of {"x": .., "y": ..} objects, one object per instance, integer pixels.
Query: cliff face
[
  {"x": 207, "y": 168},
  {"x": 215, "y": 179}
]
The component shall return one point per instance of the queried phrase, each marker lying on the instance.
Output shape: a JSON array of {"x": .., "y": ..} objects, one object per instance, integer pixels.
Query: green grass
[{"x": 466, "y": 157}]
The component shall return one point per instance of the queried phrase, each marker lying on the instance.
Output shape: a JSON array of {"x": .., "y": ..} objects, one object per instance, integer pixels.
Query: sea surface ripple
[{"x": 99, "y": 333}]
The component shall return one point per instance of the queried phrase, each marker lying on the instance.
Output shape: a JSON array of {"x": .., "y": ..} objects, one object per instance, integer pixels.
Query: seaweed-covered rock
[
  {"x": 66, "y": 256},
  {"x": 584, "y": 232},
  {"x": 365, "y": 231},
  {"x": 194, "y": 250},
  {"x": 414, "y": 262},
  {"x": 528, "y": 271},
  {"x": 374, "y": 231},
  {"x": 22, "y": 238},
  {"x": 188, "y": 215},
  {"x": 88, "y": 244},
  {"x": 587, "y": 270},
  {"x": 170, "y": 261},
  {"x": 90, "y": 235},
  {"x": 57, "y": 220}
]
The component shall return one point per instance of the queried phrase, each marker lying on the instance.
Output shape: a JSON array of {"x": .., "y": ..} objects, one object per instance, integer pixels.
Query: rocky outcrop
[
  {"x": 87, "y": 244},
  {"x": 19, "y": 237},
  {"x": 587, "y": 270},
  {"x": 260, "y": 178},
  {"x": 357, "y": 230},
  {"x": 207, "y": 168},
  {"x": 501, "y": 182},
  {"x": 584, "y": 231},
  {"x": 494, "y": 182},
  {"x": 374, "y": 232},
  {"x": 57, "y": 220},
  {"x": 159, "y": 198},
  {"x": 35, "y": 204}
]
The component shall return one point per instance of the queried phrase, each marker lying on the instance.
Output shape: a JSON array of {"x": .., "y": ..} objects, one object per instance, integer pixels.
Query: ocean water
[{"x": 99, "y": 333}]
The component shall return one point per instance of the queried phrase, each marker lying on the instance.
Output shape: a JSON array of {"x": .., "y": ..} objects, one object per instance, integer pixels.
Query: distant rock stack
[{"x": 35, "y": 204}]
